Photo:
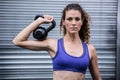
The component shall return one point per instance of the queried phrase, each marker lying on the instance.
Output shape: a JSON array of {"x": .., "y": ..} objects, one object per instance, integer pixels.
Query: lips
[{"x": 74, "y": 28}]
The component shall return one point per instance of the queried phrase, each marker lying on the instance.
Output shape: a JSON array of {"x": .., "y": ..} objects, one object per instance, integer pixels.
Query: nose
[{"x": 73, "y": 22}]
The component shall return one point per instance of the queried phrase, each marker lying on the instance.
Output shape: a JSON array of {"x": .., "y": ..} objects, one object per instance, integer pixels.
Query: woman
[{"x": 73, "y": 53}]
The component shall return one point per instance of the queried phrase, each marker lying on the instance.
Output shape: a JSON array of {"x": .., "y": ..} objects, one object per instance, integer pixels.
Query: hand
[{"x": 46, "y": 19}]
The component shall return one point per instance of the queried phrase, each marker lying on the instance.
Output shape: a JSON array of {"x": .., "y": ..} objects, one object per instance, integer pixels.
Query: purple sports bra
[{"x": 64, "y": 61}]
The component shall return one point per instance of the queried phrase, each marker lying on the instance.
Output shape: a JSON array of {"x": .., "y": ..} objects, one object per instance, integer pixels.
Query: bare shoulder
[
  {"x": 52, "y": 40},
  {"x": 91, "y": 47},
  {"x": 52, "y": 43},
  {"x": 92, "y": 50}
]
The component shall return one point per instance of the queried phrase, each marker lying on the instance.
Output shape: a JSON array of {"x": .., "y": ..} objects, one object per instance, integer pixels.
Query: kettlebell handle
[
  {"x": 51, "y": 26},
  {"x": 38, "y": 15},
  {"x": 41, "y": 33}
]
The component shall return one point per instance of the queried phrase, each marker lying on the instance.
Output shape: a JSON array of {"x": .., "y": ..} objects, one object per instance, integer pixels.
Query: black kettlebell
[{"x": 40, "y": 32}]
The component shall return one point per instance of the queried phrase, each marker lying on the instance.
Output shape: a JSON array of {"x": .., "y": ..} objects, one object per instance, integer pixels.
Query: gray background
[{"x": 18, "y": 63}]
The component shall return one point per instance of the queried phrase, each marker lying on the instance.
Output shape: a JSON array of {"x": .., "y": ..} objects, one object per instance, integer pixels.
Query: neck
[{"x": 72, "y": 38}]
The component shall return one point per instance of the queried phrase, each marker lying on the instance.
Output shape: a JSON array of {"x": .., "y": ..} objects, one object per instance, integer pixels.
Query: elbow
[{"x": 15, "y": 42}]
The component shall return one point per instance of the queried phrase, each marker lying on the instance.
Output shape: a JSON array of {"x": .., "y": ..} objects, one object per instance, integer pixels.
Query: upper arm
[
  {"x": 93, "y": 67},
  {"x": 34, "y": 44}
]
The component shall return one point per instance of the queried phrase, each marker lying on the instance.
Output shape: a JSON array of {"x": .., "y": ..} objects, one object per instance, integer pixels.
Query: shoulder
[
  {"x": 92, "y": 50},
  {"x": 91, "y": 47},
  {"x": 52, "y": 45},
  {"x": 52, "y": 41}
]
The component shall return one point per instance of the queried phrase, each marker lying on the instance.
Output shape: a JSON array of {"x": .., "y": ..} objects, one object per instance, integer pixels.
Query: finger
[{"x": 50, "y": 18}]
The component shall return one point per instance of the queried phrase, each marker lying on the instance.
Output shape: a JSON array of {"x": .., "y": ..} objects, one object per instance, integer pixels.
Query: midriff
[{"x": 68, "y": 75}]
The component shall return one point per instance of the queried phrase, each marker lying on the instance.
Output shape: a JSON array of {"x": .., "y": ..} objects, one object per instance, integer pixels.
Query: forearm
[{"x": 25, "y": 33}]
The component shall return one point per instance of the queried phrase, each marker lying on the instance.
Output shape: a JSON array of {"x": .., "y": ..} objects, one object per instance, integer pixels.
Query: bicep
[{"x": 34, "y": 44}]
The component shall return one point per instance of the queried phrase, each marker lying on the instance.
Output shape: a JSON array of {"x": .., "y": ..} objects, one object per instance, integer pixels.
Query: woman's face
[{"x": 73, "y": 21}]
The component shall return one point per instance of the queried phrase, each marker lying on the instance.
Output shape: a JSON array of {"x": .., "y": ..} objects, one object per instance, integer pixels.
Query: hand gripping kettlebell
[{"x": 40, "y": 32}]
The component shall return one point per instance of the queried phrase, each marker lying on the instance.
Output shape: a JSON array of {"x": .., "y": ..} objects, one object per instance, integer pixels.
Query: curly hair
[{"x": 84, "y": 32}]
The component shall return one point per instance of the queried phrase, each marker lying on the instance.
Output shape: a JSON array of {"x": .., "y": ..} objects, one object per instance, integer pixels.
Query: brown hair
[{"x": 84, "y": 32}]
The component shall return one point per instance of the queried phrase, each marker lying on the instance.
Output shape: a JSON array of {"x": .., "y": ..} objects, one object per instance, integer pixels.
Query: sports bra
[{"x": 64, "y": 61}]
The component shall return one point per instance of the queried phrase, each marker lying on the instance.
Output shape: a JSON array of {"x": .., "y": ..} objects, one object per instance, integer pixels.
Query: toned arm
[
  {"x": 93, "y": 67},
  {"x": 21, "y": 39}
]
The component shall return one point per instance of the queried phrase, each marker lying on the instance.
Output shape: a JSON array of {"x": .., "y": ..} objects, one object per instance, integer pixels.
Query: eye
[
  {"x": 77, "y": 18},
  {"x": 69, "y": 19}
]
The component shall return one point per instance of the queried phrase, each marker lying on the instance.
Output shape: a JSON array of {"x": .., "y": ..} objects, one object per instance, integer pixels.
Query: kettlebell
[{"x": 40, "y": 32}]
